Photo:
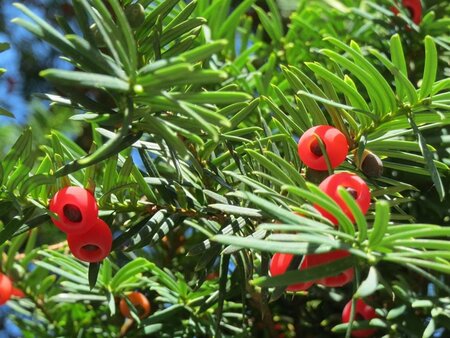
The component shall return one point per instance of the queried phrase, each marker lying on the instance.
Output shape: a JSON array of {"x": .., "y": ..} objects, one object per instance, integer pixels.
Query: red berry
[
  {"x": 76, "y": 208},
  {"x": 335, "y": 144},
  {"x": 354, "y": 184},
  {"x": 280, "y": 263},
  {"x": 5, "y": 288},
  {"x": 362, "y": 312},
  {"x": 17, "y": 293},
  {"x": 139, "y": 301},
  {"x": 341, "y": 279},
  {"x": 92, "y": 246},
  {"x": 415, "y": 9}
]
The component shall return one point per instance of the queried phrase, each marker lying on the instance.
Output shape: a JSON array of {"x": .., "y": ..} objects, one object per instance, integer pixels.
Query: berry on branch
[
  {"x": 335, "y": 144},
  {"x": 77, "y": 210},
  {"x": 339, "y": 280},
  {"x": 139, "y": 301},
  {"x": 280, "y": 263},
  {"x": 5, "y": 288},
  {"x": 354, "y": 185},
  {"x": 362, "y": 312},
  {"x": 415, "y": 9},
  {"x": 92, "y": 246}
]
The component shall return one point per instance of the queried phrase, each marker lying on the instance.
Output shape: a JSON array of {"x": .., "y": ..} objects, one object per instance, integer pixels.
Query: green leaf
[
  {"x": 106, "y": 271},
  {"x": 127, "y": 36},
  {"x": 271, "y": 166},
  {"x": 398, "y": 60},
  {"x": 369, "y": 285},
  {"x": 4, "y": 46},
  {"x": 183, "y": 15},
  {"x": 94, "y": 269},
  {"x": 423, "y": 230},
  {"x": 296, "y": 84},
  {"x": 375, "y": 323},
  {"x": 232, "y": 21},
  {"x": 20, "y": 150},
  {"x": 317, "y": 196},
  {"x": 62, "y": 272},
  {"x": 203, "y": 52},
  {"x": 130, "y": 270},
  {"x": 430, "y": 329},
  {"x": 356, "y": 212},
  {"x": 82, "y": 79},
  {"x": 236, "y": 210},
  {"x": 271, "y": 26},
  {"x": 403, "y": 85},
  {"x": 297, "y": 121},
  {"x": 159, "y": 12},
  {"x": 219, "y": 98},
  {"x": 374, "y": 91},
  {"x": 6, "y": 113},
  {"x": 35, "y": 181},
  {"x": 163, "y": 315},
  {"x": 354, "y": 96},
  {"x": 322, "y": 243},
  {"x": 145, "y": 230},
  {"x": 429, "y": 158},
  {"x": 430, "y": 70},
  {"x": 380, "y": 225},
  {"x": 14, "y": 246},
  {"x": 396, "y": 312}
]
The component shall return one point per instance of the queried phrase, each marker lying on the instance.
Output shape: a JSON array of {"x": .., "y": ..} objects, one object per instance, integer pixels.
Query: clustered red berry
[
  {"x": 310, "y": 152},
  {"x": 7, "y": 290},
  {"x": 362, "y": 312},
  {"x": 354, "y": 184},
  {"x": 414, "y": 7},
  {"x": 139, "y": 301},
  {"x": 89, "y": 238},
  {"x": 336, "y": 146},
  {"x": 339, "y": 280},
  {"x": 280, "y": 263},
  {"x": 334, "y": 142}
]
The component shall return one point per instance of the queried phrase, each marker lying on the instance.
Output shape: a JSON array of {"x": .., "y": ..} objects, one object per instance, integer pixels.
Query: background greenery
[{"x": 190, "y": 120}]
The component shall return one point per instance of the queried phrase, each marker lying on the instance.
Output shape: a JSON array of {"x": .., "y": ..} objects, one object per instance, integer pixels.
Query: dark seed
[
  {"x": 90, "y": 247},
  {"x": 372, "y": 166},
  {"x": 358, "y": 317},
  {"x": 352, "y": 192},
  {"x": 72, "y": 213},
  {"x": 315, "y": 148}
]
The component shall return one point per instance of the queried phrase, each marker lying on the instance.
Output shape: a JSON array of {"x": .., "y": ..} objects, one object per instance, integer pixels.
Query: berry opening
[
  {"x": 73, "y": 213},
  {"x": 90, "y": 247},
  {"x": 352, "y": 192},
  {"x": 359, "y": 317},
  {"x": 410, "y": 11},
  {"x": 315, "y": 148}
]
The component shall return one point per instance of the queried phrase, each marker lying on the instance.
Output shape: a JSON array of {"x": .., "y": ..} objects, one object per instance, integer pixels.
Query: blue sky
[{"x": 12, "y": 99}]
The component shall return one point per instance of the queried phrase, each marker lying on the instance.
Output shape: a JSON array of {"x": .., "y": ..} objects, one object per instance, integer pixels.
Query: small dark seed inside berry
[
  {"x": 358, "y": 317},
  {"x": 72, "y": 213},
  {"x": 352, "y": 192},
  {"x": 90, "y": 247},
  {"x": 315, "y": 148},
  {"x": 411, "y": 11}
]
